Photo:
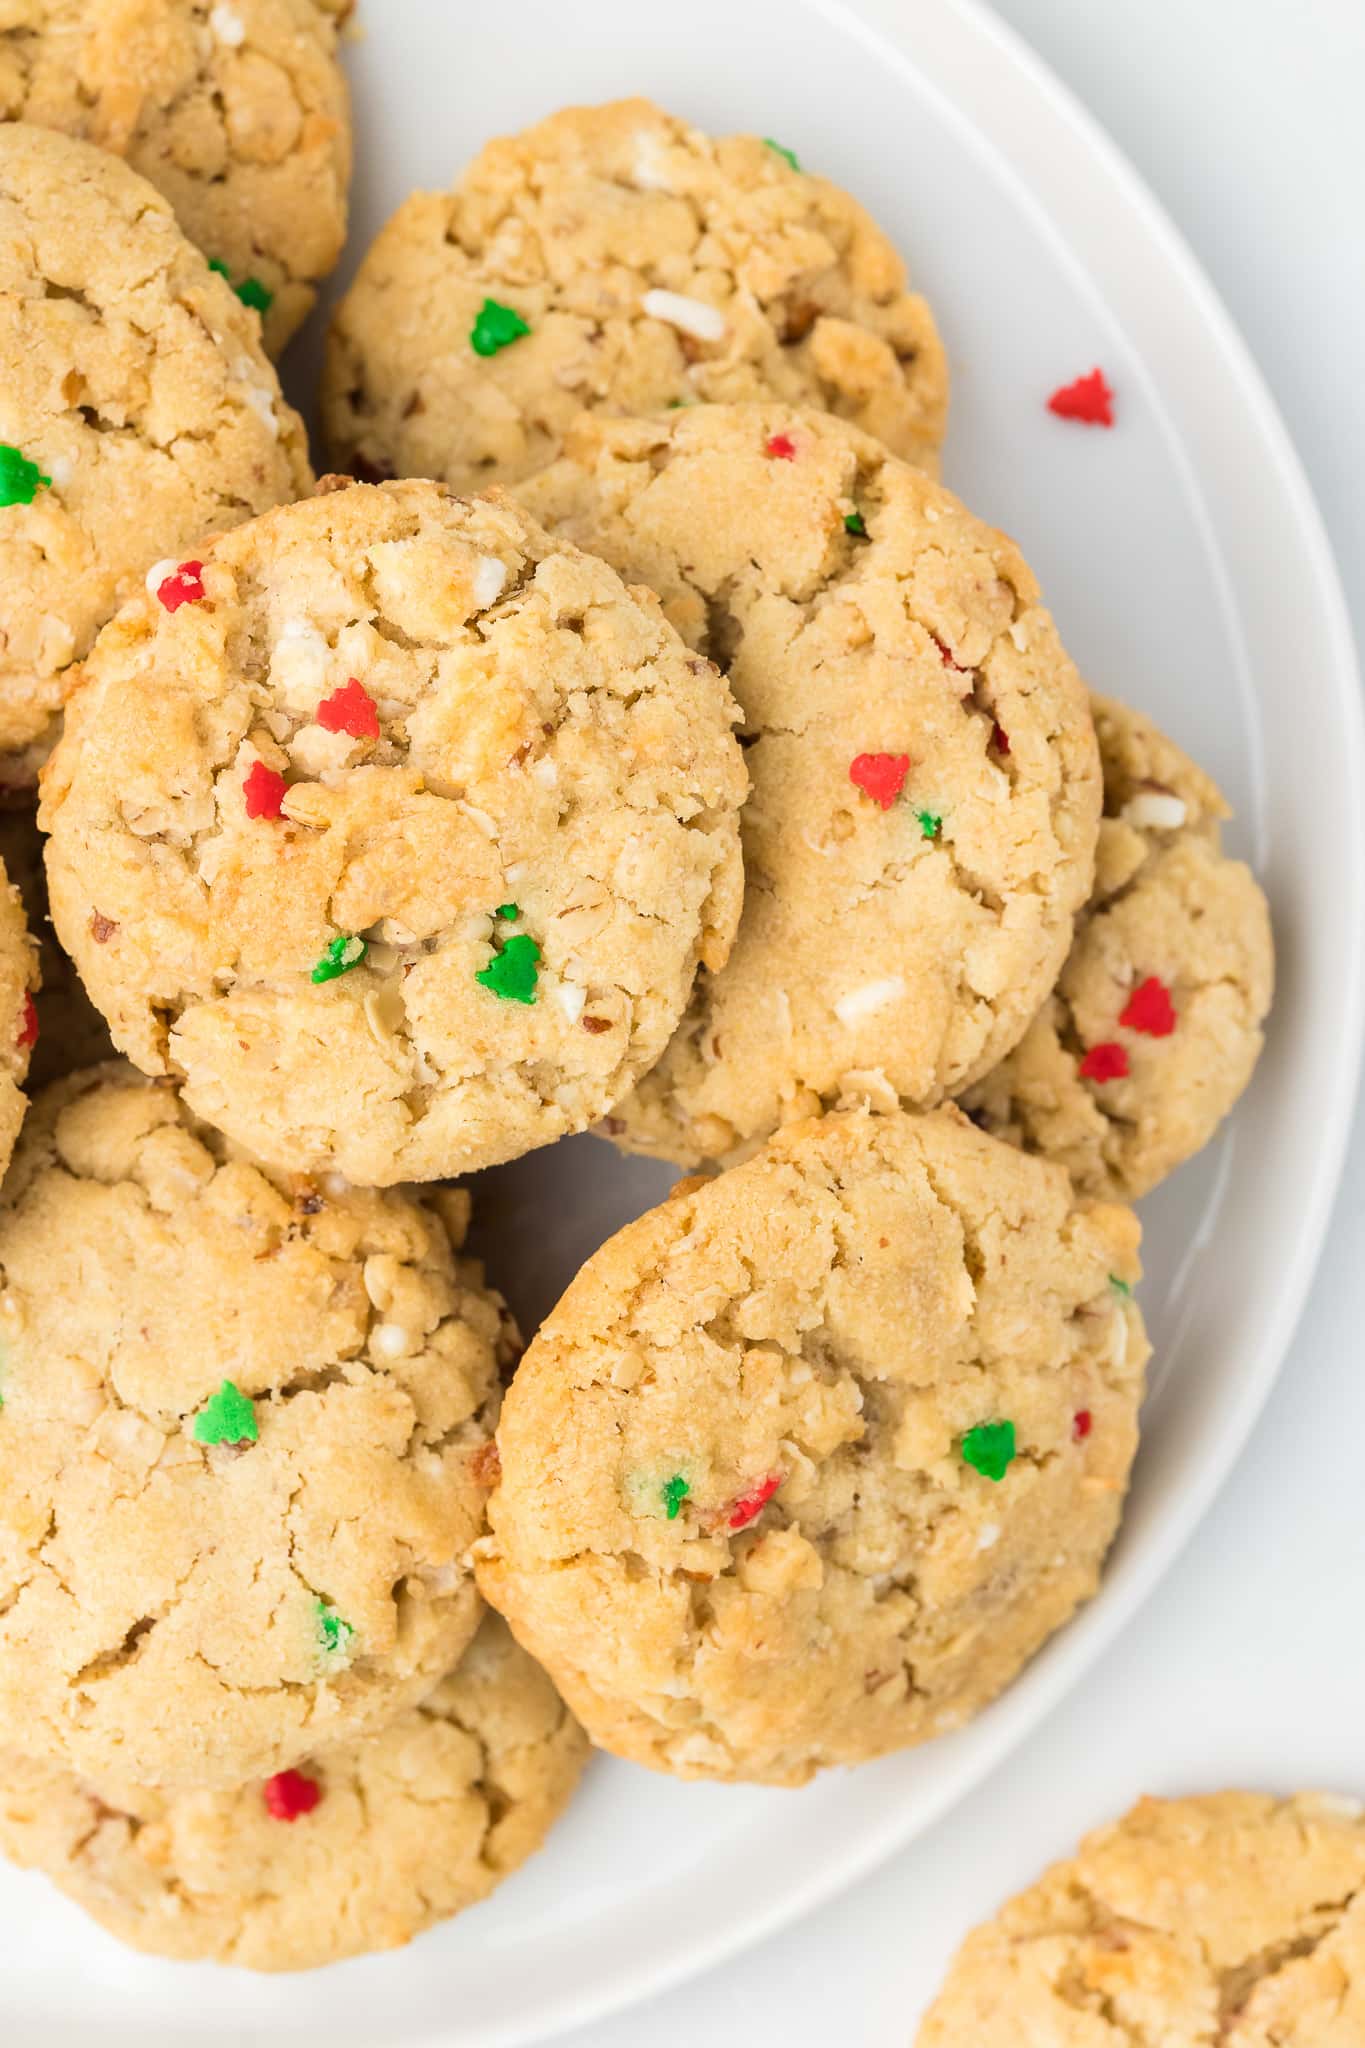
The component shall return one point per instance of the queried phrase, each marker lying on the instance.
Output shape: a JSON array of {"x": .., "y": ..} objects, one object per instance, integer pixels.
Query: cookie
[
  {"x": 362, "y": 1848},
  {"x": 926, "y": 786},
  {"x": 403, "y": 845},
  {"x": 1236, "y": 1918},
  {"x": 19, "y": 1028},
  {"x": 137, "y": 412},
  {"x": 1154, "y": 1027},
  {"x": 810, "y": 1460},
  {"x": 235, "y": 110},
  {"x": 70, "y": 1031},
  {"x": 615, "y": 258},
  {"x": 244, "y": 1428}
]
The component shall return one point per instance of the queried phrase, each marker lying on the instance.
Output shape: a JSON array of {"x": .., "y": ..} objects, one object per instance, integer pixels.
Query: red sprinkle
[
  {"x": 782, "y": 447},
  {"x": 28, "y": 1022},
  {"x": 880, "y": 776},
  {"x": 1108, "y": 1062},
  {"x": 1082, "y": 1422},
  {"x": 265, "y": 792},
  {"x": 946, "y": 656},
  {"x": 750, "y": 1505},
  {"x": 1000, "y": 739},
  {"x": 1089, "y": 399},
  {"x": 351, "y": 709},
  {"x": 289, "y": 1795},
  {"x": 185, "y": 586},
  {"x": 1150, "y": 1009}
]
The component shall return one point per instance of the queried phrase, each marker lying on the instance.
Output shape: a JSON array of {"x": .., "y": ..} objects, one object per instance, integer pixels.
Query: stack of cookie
[{"x": 648, "y": 742}]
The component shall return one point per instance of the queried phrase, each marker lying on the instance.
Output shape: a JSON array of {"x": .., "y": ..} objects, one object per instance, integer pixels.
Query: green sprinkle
[
  {"x": 854, "y": 523},
  {"x": 334, "y": 1634},
  {"x": 676, "y": 1491},
  {"x": 989, "y": 1449},
  {"x": 788, "y": 154},
  {"x": 512, "y": 973},
  {"x": 674, "y": 404},
  {"x": 228, "y": 1418},
  {"x": 20, "y": 479},
  {"x": 1120, "y": 1287},
  {"x": 510, "y": 911},
  {"x": 250, "y": 291},
  {"x": 496, "y": 327},
  {"x": 345, "y": 952},
  {"x": 930, "y": 824}
]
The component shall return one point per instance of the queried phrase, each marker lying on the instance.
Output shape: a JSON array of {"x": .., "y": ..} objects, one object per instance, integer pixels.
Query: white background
[{"x": 1248, "y": 1666}]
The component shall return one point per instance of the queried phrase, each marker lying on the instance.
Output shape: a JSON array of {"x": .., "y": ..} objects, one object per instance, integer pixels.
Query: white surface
[
  {"x": 646, "y": 1872},
  {"x": 1247, "y": 1665}
]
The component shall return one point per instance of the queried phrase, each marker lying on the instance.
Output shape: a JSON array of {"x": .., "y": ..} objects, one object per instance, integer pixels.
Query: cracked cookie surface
[
  {"x": 1169, "y": 908},
  {"x": 652, "y": 265},
  {"x": 241, "y": 1425},
  {"x": 810, "y": 1460},
  {"x": 1236, "y": 1919},
  {"x": 137, "y": 413},
  {"x": 411, "y": 1825},
  {"x": 235, "y": 110},
  {"x": 926, "y": 785},
  {"x": 507, "y": 801}
]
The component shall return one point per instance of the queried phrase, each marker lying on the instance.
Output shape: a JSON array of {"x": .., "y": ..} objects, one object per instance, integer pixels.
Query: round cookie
[
  {"x": 408, "y": 723},
  {"x": 810, "y": 1460},
  {"x": 1154, "y": 1027},
  {"x": 1235, "y": 1918},
  {"x": 19, "y": 1032},
  {"x": 243, "y": 1432},
  {"x": 235, "y": 110},
  {"x": 137, "y": 412},
  {"x": 926, "y": 786},
  {"x": 615, "y": 258},
  {"x": 71, "y": 1032},
  {"x": 365, "y": 1847}
]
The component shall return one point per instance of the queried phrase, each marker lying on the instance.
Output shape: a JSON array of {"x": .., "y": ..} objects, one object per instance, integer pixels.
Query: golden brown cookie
[
  {"x": 361, "y": 1848},
  {"x": 809, "y": 1461},
  {"x": 241, "y": 1431},
  {"x": 926, "y": 782},
  {"x": 615, "y": 258},
  {"x": 1235, "y": 1919},
  {"x": 403, "y": 843},
  {"x": 137, "y": 413},
  {"x": 1154, "y": 1027},
  {"x": 236, "y": 110}
]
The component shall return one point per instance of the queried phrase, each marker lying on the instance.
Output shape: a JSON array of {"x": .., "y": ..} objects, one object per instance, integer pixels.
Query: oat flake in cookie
[
  {"x": 617, "y": 259},
  {"x": 925, "y": 775},
  {"x": 236, "y": 110},
  {"x": 360, "y": 1848},
  {"x": 242, "y": 1435},
  {"x": 810, "y": 1460},
  {"x": 1154, "y": 1027},
  {"x": 1236, "y": 1919},
  {"x": 400, "y": 836},
  {"x": 137, "y": 414}
]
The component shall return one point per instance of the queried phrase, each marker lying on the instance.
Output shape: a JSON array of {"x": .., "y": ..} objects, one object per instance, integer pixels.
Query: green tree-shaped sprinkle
[
  {"x": 20, "y": 479},
  {"x": 227, "y": 1418},
  {"x": 495, "y": 326},
  {"x": 989, "y": 1449}
]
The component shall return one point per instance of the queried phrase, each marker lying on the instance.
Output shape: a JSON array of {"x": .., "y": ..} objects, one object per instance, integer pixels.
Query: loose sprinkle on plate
[{"x": 1089, "y": 400}]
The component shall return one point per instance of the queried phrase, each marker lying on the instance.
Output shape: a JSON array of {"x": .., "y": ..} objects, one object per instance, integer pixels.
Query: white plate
[{"x": 1184, "y": 559}]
